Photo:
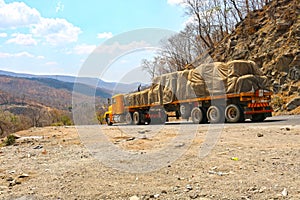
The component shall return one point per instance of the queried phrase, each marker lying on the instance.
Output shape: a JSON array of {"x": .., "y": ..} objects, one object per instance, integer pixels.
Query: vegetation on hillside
[{"x": 33, "y": 102}]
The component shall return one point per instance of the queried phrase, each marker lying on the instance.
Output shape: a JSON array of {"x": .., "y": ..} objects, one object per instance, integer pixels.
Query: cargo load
[{"x": 245, "y": 76}]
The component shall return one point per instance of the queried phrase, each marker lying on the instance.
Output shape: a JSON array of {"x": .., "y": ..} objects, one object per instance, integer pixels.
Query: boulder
[
  {"x": 283, "y": 62},
  {"x": 282, "y": 25},
  {"x": 294, "y": 73},
  {"x": 296, "y": 61},
  {"x": 293, "y": 104},
  {"x": 292, "y": 89}
]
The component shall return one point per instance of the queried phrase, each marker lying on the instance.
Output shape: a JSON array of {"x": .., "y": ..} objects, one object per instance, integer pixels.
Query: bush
[
  {"x": 10, "y": 140},
  {"x": 57, "y": 124},
  {"x": 277, "y": 102},
  {"x": 66, "y": 120},
  {"x": 63, "y": 121}
]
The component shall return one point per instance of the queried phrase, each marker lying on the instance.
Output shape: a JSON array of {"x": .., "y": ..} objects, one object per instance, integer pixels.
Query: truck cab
[{"x": 115, "y": 110}]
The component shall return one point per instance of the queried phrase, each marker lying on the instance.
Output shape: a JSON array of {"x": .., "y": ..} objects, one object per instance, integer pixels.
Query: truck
[{"x": 214, "y": 92}]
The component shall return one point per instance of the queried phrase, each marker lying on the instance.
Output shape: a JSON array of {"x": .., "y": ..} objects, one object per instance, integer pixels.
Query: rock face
[
  {"x": 271, "y": 38},
  {"x": 294, "y": 103}
]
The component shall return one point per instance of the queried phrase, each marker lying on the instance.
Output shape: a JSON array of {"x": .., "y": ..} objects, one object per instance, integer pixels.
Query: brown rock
[
  {"x": 282, "y": 25},
  {"x": 294, "y": 103}
]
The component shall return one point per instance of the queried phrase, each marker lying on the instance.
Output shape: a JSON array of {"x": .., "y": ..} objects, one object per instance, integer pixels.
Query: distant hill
[
  {"x": 111, "y": 87},
  {"x": 46, "y": 91}
]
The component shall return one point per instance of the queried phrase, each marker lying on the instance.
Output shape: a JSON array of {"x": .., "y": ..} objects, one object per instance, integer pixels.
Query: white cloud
[
  {"x": 5, "y": 55},
  {"x": 20, "y": 54},
  {"x": 105, "y": 35},
  {"x": 17, "y": 14},
  {"x": 22, "y": 39},
  {"x": 24, "y": 54},
  {"x": 40, "y": 57},
  {"x": 84, "y": 49},
  {"x": 59, "y": 7},
  {"x": 3, "y": 35},
  {"x": 56, "y": 31},
  {"x": 116, "y": 47},
  {"x": 51, "y": 63},
  {"x": 175, "y": 2}
]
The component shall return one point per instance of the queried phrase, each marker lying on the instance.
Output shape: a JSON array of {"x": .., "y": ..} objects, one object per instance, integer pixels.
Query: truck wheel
[
  {"x": 215, "y": 114},
  {"x": 258, "y": 117},
  {"x": 109, "y": 123},
  {"x": 233, "y": 113},
  {"x": 128, "y": 118},
  {"x": 197, "y": 115},
  {"x": 136, "y": 118},
  {"x": 185, "y": 111},
  {"x": 163, "y": 117}
]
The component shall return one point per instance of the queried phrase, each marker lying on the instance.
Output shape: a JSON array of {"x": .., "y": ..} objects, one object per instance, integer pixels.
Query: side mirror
[{"x": 108, "y": 101}]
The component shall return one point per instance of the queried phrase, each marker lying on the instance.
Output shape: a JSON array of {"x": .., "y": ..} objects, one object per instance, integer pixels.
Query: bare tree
[
  {"x": 181, "y": 49},
  {"x": 37, "y": 113},
  {"x": 237, "y": 9},
  {"x": 149, "y": 67},
  {"x": 197, "y": 10},
  {"x": 4, "y": 98},
  {"x": 210, "y": 22}
]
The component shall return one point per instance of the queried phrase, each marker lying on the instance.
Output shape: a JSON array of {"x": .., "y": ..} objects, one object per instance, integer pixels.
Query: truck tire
[
  {"x": 128, "y": 118},
  {"x": 215, "y": 114},
  {"x": 233, "y": 113},
  {"x": 185, "y": 111},
  {"x": 258, "y": 117},
  {"x": 197, "y": 115},
  {"x": 163, "y": 117},
  {"x": 107, "y": 119},
  {"x": 136, "y": 118}
]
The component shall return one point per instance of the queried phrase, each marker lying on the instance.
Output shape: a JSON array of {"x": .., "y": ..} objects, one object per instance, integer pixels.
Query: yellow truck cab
[{"x": 115, "y": 110}]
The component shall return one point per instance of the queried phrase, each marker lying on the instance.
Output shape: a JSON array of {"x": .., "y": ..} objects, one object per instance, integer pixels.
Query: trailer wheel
[
  {"x": 128, "y": 118},
  {"x": 258, "y": 117},
  {"x": 233, "y": 113},
  {"x": 163, "y": 117},
  {"x": 185, "y": 111},
  {"x": 197, "y": 115},
  {"x": 136, "y": 118},
  {"x": 215, "y": 114}
]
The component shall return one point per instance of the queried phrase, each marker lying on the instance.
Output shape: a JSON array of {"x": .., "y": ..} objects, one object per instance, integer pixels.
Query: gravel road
[{"x": 175, "y": 161}]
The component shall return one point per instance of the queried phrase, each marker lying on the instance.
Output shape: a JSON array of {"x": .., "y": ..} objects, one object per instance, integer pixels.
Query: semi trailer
[{"x": 214, "y": 92}]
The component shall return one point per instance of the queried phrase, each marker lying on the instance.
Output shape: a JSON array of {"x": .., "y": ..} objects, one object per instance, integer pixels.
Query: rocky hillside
[{"x": 271, "y": 38}]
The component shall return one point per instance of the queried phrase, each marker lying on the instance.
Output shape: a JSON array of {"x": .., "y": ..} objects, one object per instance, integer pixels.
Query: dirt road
[{"x": 175, "y": 161}]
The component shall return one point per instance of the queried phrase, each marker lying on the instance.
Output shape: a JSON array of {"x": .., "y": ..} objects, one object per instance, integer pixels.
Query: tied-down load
[{"x": 207, "y": 79}]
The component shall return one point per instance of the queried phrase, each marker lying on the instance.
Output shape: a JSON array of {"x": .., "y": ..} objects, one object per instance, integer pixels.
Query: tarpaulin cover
[
  {"x": 181, "y": 89},
  {"x": 144, "y": 96},
  {"x": 245, "y": 76},
  {"x": 169, "y": 86},
  {"x": 207, "y": 79},
  {"x": 248, "y": 83},
  {"x": 212, "y": 75},
  {"x": 155, "y": 92}
]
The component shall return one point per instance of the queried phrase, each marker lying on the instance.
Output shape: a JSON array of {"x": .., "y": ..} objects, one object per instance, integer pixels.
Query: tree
[
  {"x": 10, "y": 123},
  {"x": 198, "y": 11},
  {"x": 149, "y": 67}
]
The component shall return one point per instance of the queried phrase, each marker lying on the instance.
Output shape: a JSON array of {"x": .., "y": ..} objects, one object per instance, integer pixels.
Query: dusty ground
[{"x": 249, "y": 161}]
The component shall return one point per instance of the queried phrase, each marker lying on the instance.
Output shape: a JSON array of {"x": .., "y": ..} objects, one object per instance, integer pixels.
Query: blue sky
[{"x": 57, "y": 36}]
